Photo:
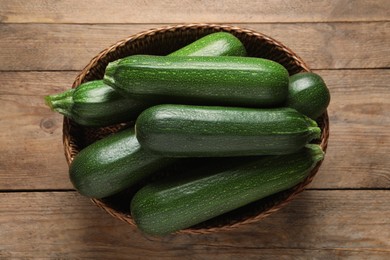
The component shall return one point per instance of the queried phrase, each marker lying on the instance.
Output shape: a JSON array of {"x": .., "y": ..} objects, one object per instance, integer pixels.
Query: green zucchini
[
  {"x": 112, "y": 164},
  {"x": 214, "y": 44},
  {"x": 183, "y": 200},
  {"x": 308, "y": 94},
  {"x": 97, "y": 104},
  {"x": 203, "y": 131},
  {"x": 236, "y": 81}
]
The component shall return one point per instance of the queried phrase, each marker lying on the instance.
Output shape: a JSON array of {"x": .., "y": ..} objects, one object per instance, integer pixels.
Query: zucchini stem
[
  {"x": 316, "y": 152},
  {"x": 315, "y": 132},
  {"x": 109, "y": 73},
  {"x": 61, "y": 103}
]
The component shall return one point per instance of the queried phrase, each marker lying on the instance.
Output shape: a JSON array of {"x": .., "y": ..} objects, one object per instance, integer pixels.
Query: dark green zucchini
[
  {"x": 237, "y": 81},
  {"x": 112, "y": 164},
  {"x": 183, "y": 200},
  {"x": 203, "y": 131},
  {"x": 308, "y": 94},
  {"x": 214, "y": 44},
  {"x": 97, "y": 104}
]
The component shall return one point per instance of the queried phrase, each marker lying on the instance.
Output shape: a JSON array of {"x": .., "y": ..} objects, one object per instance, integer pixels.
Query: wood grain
[
  {"x": 72, "y": 46},
  {"x": 176, "y": 11},
  {"x": 359, "y": 142},
  {"x": 357, "y": 156},
  {"x": 30, "y": 134},
  {"x": 317, "y": 225}
]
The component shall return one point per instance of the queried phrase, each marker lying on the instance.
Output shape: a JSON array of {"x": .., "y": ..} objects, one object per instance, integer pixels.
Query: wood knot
[{"x": 49, "y": 125}]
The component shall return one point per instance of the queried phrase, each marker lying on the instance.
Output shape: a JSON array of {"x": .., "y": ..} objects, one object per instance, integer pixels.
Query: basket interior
[{"x": 162, "y": 42}]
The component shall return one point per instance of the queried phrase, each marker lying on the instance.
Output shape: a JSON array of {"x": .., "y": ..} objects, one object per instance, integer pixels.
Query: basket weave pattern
[{"x": 162, "y": 41}]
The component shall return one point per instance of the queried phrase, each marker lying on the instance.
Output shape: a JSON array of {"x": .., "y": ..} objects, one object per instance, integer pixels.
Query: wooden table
[{"x": 345, "y": 212}]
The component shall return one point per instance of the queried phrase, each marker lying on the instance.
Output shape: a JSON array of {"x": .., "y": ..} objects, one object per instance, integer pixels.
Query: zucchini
[
  {"x": 209, "y": 131},
  {"x": 112, "y": 164},
  {"x": 97, "y": 104},
  {"x": 308, "y": 93},
  {"x": 214, "y": 44},
  {"x": 236, "y": 81},
  {"x": 183, "y": 200}
]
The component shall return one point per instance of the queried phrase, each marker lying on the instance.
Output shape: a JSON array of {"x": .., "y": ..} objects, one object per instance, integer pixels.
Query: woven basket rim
[{"x": 70, "y": 145}]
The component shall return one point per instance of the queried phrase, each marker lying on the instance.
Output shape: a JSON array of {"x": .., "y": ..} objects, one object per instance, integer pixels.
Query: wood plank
[
  {"x": 30, "y": 134},
  {"x": 359, "y": 126},
  {"x": 71, "y": 46},
  {"x": 318, "y": 224},
  {"x": 33, "y": 83},
  {"x": 176, "y": 11}
]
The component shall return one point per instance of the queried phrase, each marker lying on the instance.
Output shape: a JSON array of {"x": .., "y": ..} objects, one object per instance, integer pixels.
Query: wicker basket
[{"x": 163, "y": 41}]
